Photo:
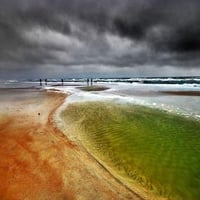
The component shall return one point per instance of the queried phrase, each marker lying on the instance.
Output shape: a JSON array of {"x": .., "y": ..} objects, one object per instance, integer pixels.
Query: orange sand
[{"x": 38, "y": 162}]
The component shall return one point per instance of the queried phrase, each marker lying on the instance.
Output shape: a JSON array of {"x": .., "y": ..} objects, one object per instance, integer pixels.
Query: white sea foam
[{"x": 128, "y": 93}]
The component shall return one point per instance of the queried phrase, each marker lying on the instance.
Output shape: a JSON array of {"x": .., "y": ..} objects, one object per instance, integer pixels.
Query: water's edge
[{"x": 131, "y": 184}]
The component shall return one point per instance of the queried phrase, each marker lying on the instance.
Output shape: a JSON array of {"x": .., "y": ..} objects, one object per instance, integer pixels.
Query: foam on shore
[{"x": 183, "y": 105}]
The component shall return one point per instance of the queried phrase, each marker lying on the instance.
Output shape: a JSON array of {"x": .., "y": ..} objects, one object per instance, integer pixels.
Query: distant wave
[{"x": 144, "y": 80}]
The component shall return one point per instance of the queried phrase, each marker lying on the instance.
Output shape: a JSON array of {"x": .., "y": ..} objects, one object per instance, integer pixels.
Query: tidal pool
[{"x": 154, "y": 149}]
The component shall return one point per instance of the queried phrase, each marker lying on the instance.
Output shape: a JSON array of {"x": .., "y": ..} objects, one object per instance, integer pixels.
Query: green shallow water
[{"x": 154, "y": 149}]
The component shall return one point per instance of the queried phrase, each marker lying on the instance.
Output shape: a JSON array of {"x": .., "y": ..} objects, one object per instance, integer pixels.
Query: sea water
[
  {"x": 148, "y": 138},
  {"x": 153, "y": 149}
]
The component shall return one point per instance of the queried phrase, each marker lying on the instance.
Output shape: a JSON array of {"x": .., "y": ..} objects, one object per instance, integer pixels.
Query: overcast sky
[{"x": 80, "y": 38}]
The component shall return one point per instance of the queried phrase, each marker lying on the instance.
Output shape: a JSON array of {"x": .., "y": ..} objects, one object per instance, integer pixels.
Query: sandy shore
[{"x": 39, "y": 162}]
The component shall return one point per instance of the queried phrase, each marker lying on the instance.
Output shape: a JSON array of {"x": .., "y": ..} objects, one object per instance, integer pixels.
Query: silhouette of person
[
  {"x": 88, "y": 81},
  {"x": 91, "y": 81}
]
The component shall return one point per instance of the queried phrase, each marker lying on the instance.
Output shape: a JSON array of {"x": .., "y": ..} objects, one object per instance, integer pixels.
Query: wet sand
[
  {"x": 182, "y": 93},
  {"x": 39, "y": 162},
  {"x": 93, "y": 88}
]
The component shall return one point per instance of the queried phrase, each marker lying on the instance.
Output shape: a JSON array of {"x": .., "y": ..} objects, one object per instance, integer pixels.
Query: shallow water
[{"x": 154, "y": 149}]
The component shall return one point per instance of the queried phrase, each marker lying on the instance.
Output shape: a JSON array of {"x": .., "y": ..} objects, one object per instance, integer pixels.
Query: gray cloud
[{"x": 113, "y": 34}]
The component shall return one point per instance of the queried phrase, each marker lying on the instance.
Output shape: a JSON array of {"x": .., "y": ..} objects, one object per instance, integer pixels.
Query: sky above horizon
[{"x": 90, "y": 38}]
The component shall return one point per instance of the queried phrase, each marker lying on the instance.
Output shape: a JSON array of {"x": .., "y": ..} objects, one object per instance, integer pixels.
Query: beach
[
  {"x": 39, "y": 162},
  {"x": 106, "y": 141}
]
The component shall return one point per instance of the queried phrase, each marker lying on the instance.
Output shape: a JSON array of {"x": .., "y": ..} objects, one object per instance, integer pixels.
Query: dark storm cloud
[{"x": 128, "y": 33}]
